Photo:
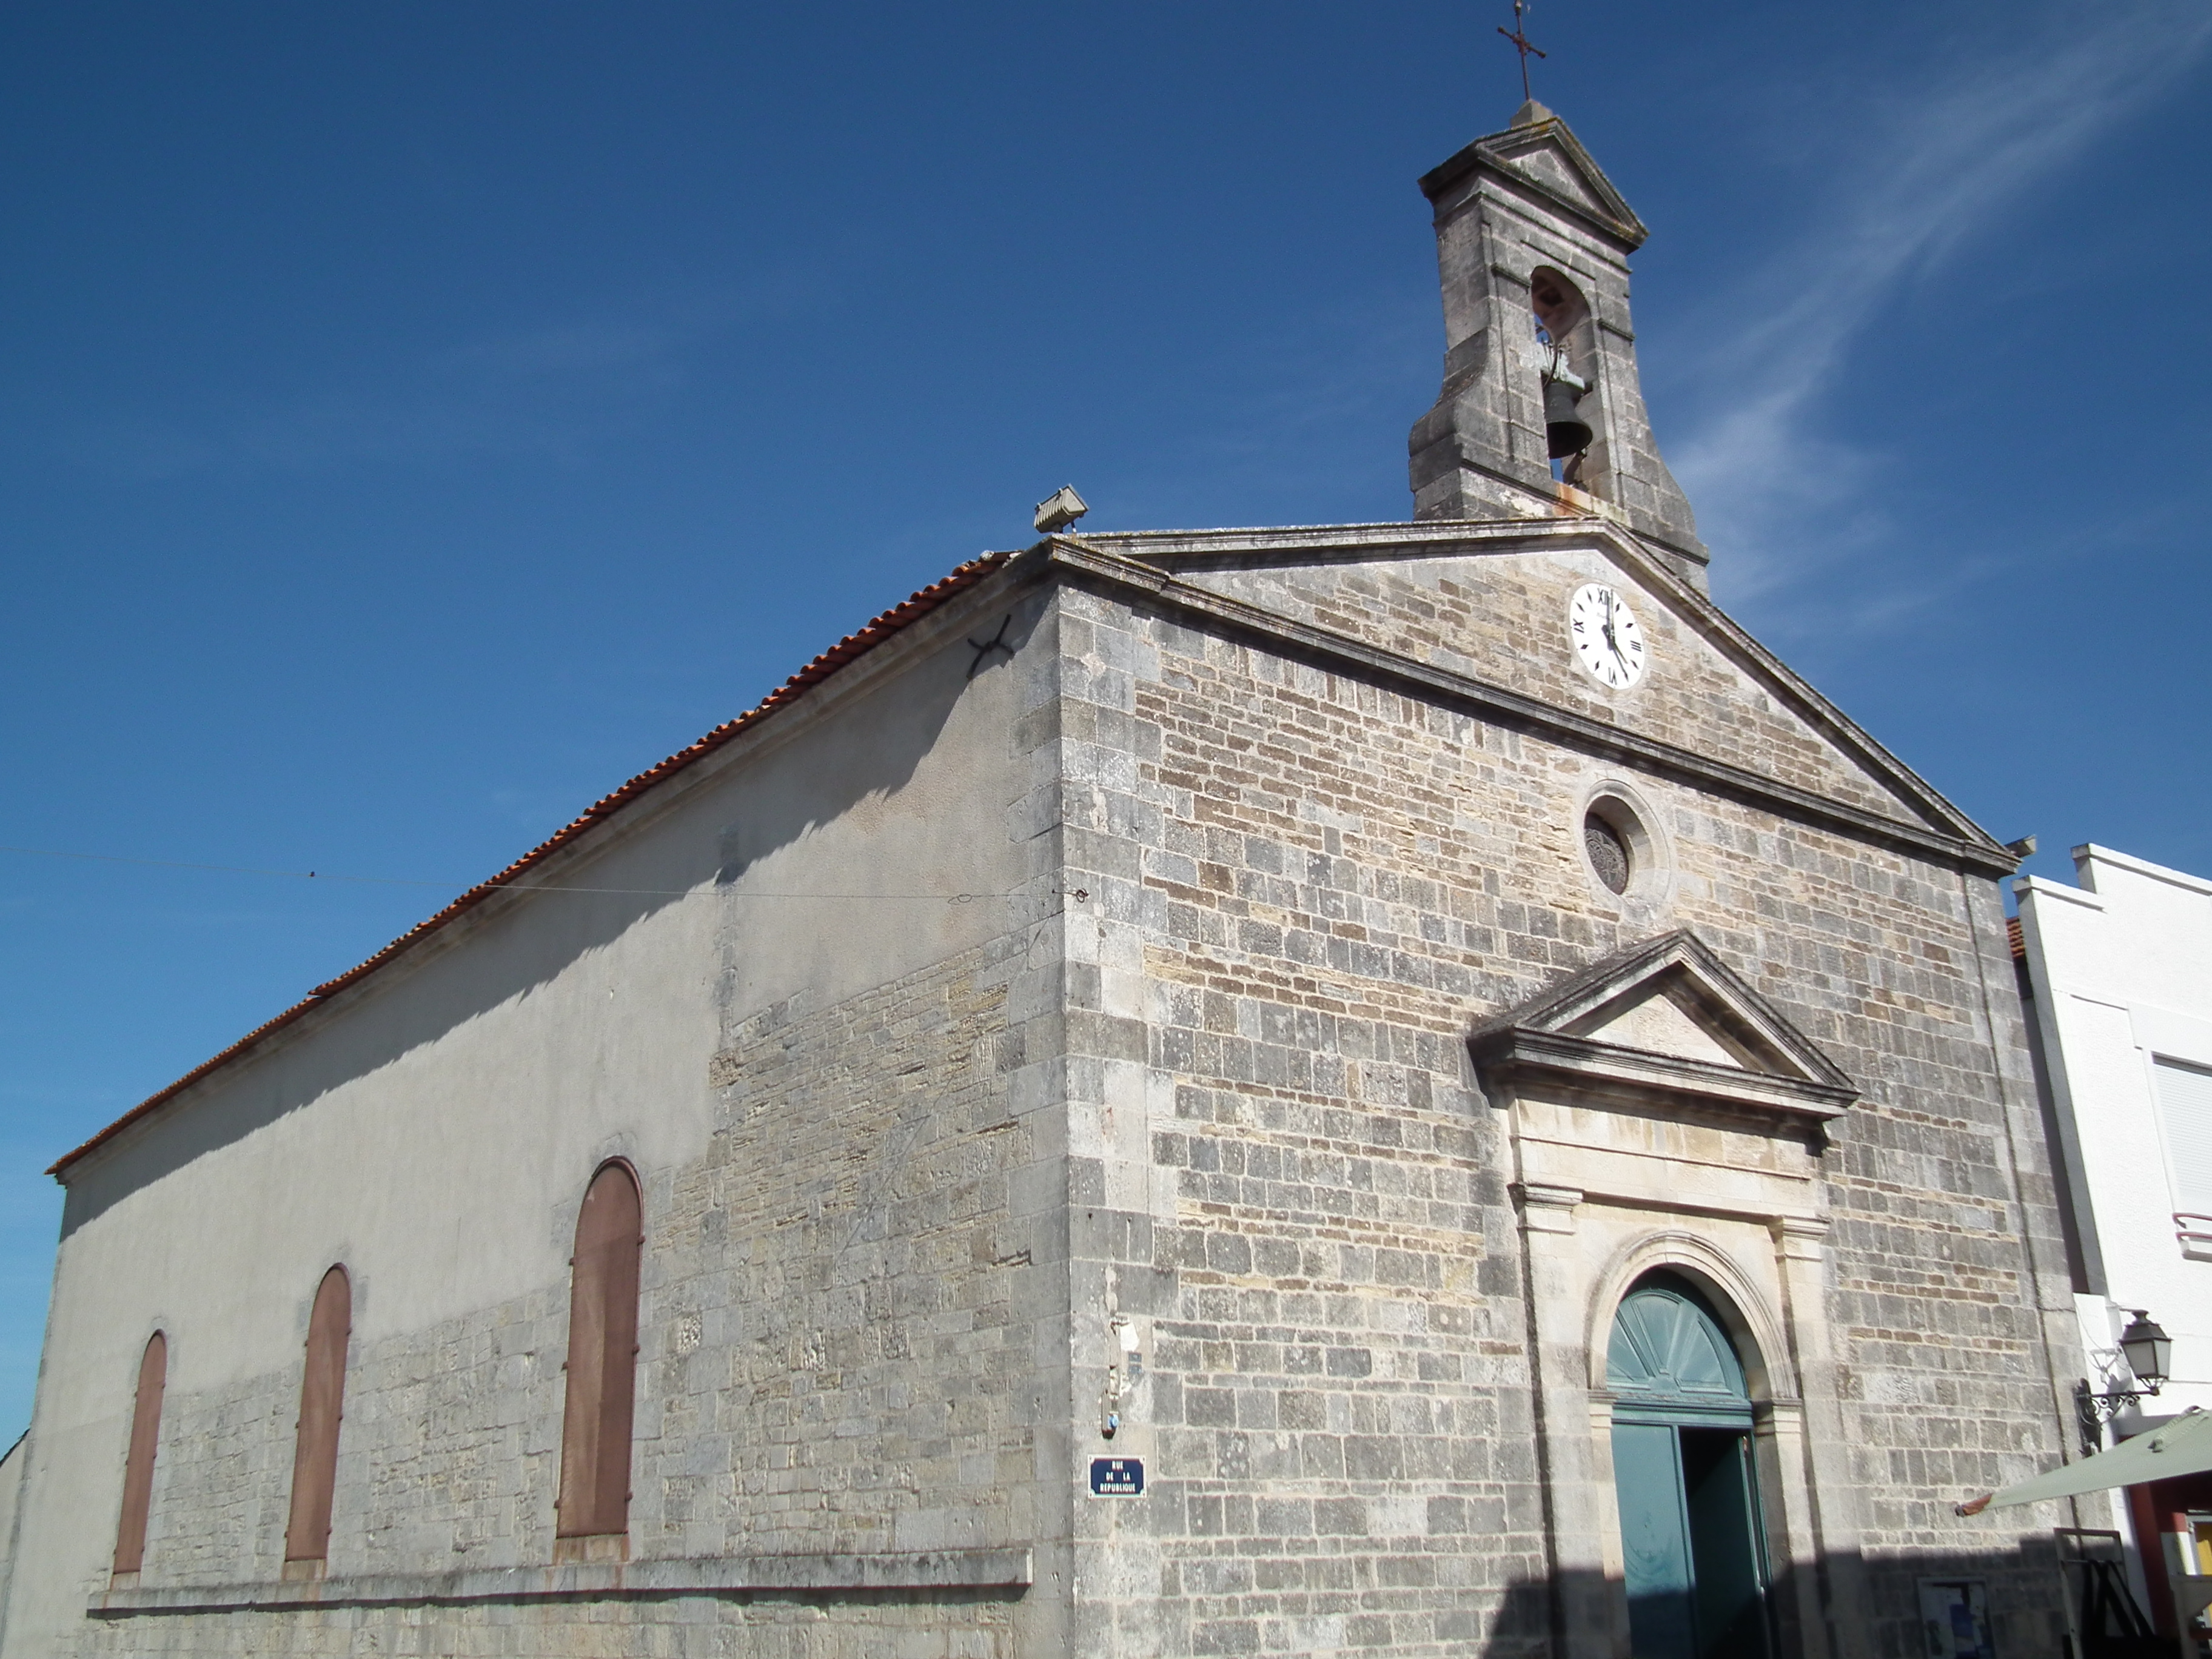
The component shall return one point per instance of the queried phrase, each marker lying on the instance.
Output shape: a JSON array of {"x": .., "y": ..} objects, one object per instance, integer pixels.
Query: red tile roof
[
  {"x": 853, "y": 645},
  {"x": 2014, "y": 937}
]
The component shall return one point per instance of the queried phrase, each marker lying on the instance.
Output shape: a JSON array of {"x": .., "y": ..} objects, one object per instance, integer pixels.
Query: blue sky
[{"x": 418, "y": 418}]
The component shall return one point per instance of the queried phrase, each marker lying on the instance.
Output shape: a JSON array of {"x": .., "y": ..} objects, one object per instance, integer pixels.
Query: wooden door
[
  {"x": 1654, "y": 1540},
  {"x": 1683, "y": 1477}
]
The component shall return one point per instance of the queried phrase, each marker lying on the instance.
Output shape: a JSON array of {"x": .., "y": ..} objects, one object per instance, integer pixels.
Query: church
[{"x": 1402, "y": 1088}]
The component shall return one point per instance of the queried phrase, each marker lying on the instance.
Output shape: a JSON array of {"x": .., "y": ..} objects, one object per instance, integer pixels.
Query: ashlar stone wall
[
  {"x": 848, "y": 1358},
  {"x": 1326, "y": 883}
]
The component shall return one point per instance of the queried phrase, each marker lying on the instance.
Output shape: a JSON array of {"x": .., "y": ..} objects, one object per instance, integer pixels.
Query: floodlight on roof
[{"x": 1058, "y": 510}]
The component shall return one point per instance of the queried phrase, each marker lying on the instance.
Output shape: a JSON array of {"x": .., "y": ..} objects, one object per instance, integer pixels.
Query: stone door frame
[
  {"x": 1582, "y": 1255},
  {"x": 1704, "y": 1160}
]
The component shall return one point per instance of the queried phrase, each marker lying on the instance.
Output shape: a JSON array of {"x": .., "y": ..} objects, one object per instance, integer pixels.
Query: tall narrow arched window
[
  {"x": 322, "y": 1403},
  {"x": 595, "y": 1430},
  {"x": 138, "y": 1464}
]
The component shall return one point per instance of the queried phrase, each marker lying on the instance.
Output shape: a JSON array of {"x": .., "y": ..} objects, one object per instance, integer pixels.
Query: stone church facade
[{"x": 1527, "y": 1154}]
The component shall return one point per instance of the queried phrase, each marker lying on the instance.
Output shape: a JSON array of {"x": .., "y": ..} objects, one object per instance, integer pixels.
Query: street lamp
[{"x": 2149, "y": 1354}]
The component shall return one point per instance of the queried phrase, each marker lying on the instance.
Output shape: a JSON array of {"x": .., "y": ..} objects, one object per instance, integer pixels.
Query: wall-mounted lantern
[{"x": 2149, "y": 1354}]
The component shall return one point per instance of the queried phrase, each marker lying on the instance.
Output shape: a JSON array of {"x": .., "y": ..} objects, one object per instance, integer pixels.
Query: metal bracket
[
  {"x": 2092, "y": 1410},
  {"x": 983, "y": 649}
]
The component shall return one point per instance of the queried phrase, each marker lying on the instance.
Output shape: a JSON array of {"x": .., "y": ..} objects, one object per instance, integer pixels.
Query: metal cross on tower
[{"x": 1519, "y": 37}]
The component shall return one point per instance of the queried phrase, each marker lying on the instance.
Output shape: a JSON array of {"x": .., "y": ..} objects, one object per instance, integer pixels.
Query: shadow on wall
[
  {"x": 874, "y": 748},
  {"x": 1872, "y": 1607}
]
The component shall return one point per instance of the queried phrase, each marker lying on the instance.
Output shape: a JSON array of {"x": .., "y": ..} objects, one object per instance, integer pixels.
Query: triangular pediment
[
  {"x": 1538, "y": 151},
  {"x": 1658, "y": 1022},
  {"x": 1478, "y": 610},
  {"x": 1667, "y": 1017}
]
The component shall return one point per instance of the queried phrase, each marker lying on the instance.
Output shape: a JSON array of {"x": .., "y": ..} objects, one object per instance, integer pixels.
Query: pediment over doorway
[{"x": 1665, "y": 1018}]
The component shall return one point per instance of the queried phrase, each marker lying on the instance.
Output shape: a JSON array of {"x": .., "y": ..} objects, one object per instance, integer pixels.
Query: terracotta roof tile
[{"x": 853, "y": 645}]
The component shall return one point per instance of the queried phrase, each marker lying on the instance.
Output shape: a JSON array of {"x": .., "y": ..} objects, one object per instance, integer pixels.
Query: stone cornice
[
  {"x": 1521, "y": 1051},
  {"x": 1497, "y": 703},
  {"x": 1008, "y": 1569}
]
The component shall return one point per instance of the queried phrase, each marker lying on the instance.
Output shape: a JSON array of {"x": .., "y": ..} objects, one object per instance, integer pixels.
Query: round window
[{"x": 1609, "y": 852}]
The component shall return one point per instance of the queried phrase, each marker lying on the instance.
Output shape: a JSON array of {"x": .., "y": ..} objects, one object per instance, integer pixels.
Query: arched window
[
  {"x": 595, "y": 1430},
  {"x": 1559, "y": 304},
  {"x": 138, "y": 1465},
  {"x": 322, "y": 1403},
  {"x": 1566, "y": 342}
]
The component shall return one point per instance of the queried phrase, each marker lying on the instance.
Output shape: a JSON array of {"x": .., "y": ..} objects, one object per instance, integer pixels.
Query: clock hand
[{"x": 1612, "y": 641}]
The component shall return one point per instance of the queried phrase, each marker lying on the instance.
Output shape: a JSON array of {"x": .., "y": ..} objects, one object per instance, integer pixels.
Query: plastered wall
[
  {"x": 793, "y": 999},
  {"x": 2121, "y": 968}
]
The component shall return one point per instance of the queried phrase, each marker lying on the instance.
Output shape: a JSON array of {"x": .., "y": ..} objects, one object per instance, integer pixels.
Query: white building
[{"x": 2119, "y": 973}]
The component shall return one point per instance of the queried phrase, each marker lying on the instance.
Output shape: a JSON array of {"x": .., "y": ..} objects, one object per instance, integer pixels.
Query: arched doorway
[{"x": 1683, "y": 1471}]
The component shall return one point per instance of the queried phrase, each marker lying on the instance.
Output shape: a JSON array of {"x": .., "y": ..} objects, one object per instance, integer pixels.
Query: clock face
[{"x": 1607, "y": 641}]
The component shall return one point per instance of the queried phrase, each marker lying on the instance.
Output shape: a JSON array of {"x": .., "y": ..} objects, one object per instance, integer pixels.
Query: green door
[
  {"x": 1682, "y": 1471},
  {"x": 1654, "y": 1540}
]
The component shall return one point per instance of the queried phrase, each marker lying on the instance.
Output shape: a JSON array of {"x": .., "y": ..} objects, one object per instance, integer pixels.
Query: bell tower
[{"x": 1540, "y": 413}]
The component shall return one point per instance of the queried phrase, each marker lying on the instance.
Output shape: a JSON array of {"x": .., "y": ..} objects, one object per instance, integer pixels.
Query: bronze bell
[{"x": 1566, "y": 433}]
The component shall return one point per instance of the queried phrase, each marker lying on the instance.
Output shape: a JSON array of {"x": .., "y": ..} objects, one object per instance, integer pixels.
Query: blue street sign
[{"x": 1117, "y": 1477}]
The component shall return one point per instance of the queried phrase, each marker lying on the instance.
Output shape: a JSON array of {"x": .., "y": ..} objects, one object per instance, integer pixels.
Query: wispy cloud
[
  {"x": 543, "y": 392},
  {"x": 1935, "y": 165},
  {"x": 1291, "y": 437},
  {"x": 555, "y": 390}
]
